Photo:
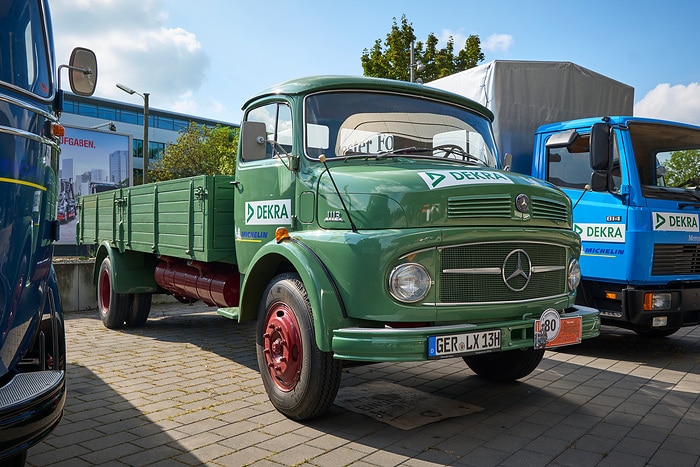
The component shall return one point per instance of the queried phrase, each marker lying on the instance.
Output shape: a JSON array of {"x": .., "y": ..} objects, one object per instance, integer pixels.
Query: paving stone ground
[{"x": 185, "y": 390}]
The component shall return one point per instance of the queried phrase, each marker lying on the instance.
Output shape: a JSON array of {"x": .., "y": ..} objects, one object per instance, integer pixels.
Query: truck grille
[
  {"x": 545, "y": 208},
  {"x": 479, "y": 272},
  {"x": 675, "y": 260},
  {"x": 502, "y": 206}
]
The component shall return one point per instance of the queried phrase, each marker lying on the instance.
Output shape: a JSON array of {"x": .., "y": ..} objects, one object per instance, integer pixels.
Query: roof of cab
[{"x": 312, "y": 84}]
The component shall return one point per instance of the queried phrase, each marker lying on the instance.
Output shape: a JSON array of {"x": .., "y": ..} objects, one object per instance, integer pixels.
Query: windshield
[
  {"x": 362, "y": 123},
  {"x": 24, "y": 60},
  {"x": 667, "y": 156}
]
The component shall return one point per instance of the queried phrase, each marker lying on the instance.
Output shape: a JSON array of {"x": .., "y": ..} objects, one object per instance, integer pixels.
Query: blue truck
[
  {"x": 634, "y": 184},
  {"x": 32, "y": 339}
]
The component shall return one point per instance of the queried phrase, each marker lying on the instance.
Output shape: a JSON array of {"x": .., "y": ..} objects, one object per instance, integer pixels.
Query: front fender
[
  {"x": 133, "y": 272},
  {"x": 293, "y": 255}
]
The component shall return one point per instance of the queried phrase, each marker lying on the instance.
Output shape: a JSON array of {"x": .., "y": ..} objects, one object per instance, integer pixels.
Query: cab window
[
  {"x": 570, "y": 166},
  {"x": 277, "y": 118}
]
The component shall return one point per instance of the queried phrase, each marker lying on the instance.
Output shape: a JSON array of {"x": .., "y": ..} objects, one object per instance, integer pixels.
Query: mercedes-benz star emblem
[
  {"x": 522, "y": 203},
  {"x": 516, "y": 270}
]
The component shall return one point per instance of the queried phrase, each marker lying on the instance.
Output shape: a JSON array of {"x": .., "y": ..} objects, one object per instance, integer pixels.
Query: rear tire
[
  {"x": 505, "y": 366},
  {"x": 300, "y": 379},
  {"x": 140, "y": 308},
  {"x": 111, "y": 306}
]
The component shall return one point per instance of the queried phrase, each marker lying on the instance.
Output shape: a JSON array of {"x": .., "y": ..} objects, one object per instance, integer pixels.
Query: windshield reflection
[{"x": 363, "y": 124}]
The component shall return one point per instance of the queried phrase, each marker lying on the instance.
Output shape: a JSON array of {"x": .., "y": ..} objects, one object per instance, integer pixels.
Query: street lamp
[
  {"x": 415, "y": 65},
  {"x": 110, "y": 125},
  {"x": 145, "y": 95}
]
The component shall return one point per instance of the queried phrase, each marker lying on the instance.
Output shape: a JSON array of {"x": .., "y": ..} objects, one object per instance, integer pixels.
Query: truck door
[
  {"x": 600, "y": 217},
  {"x": 264, "y": 195}
]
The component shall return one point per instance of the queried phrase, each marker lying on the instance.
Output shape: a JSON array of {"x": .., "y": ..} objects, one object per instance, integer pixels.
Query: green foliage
[
  {"x": 198, "y": 150},
  {"x": 682, "y": 167},
  {"x": 392, "y": 58}
]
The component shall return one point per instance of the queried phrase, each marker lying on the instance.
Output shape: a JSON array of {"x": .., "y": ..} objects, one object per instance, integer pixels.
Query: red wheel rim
[
  {"x": 282, "y": 346},
  {"x": 104, "y": 292}
]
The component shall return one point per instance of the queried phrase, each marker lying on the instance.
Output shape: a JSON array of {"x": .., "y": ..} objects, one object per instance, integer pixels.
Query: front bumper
[
  {"x": 411, "y": 344},
  {"x": 684, "y": 310},
  {"x": 31, "y": 405}
]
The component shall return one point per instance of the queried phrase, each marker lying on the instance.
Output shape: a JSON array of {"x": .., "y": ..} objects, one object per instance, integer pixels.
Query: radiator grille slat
[
  {"x": 675, "y": 260},
  {"x": 502, "y": 206},
  {"x": 473, "y": 273}
]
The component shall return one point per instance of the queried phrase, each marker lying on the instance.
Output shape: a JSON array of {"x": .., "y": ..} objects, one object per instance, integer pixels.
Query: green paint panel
[{"x": 189, "y": 218}]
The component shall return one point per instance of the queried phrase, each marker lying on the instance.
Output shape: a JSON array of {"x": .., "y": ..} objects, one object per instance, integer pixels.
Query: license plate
[{"x": 464, "y": 344}]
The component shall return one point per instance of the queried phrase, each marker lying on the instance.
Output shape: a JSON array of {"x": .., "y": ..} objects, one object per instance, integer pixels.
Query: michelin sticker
[
  {"x": 611, "y": 233},
  {"x": 674, "y": 222},
  {"x": 273, "y": 212},
  {"x": 446, "y": 178}
]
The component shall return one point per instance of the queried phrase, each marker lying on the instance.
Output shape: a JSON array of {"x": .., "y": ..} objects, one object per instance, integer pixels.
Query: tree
[
  {"x": 199, "y": 150},
  {"x": 393, "y": 59},
  {"x": 683, "y": 167}
]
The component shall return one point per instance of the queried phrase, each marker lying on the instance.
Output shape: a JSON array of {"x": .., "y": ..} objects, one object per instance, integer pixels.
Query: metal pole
[
  {"x": 412, "y": 64},
  {"x": 145, "y": 137}
]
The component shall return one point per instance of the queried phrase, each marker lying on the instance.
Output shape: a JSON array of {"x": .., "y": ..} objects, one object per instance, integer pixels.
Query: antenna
[
  {"x": 585, "y": 189},
  {"x": 322, "y": 158}
]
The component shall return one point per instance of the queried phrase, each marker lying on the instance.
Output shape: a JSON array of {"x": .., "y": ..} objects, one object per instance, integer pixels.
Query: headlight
[
  {"x": 574, "y": 274},
  {"x": 409, "y": 282}
]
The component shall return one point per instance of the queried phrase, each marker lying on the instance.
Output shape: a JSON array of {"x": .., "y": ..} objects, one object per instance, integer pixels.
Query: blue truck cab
[
  {"x": 32, "y": 339},
  {"x": 635, "y": 187}
]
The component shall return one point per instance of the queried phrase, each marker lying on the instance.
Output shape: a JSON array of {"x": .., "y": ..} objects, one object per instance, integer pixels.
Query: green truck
[{"x": 366, "y": 222}]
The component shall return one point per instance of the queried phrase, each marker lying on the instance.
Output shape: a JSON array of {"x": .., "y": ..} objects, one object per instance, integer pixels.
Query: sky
[{"x": 206, "y": 58}]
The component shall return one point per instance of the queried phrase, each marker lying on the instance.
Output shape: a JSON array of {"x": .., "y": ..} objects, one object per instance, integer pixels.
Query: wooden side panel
[{"x": 188, "y": 218}]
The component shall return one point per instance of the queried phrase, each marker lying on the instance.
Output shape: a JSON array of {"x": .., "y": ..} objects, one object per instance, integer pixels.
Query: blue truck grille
[
  {"x": 673, "y": 260},
  {"x": 498, "y": 272},
  {"x": 503, "y": 206}
]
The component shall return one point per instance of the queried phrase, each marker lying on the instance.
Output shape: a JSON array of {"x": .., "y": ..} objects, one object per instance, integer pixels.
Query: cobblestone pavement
[{"x": 185, "y": 390}]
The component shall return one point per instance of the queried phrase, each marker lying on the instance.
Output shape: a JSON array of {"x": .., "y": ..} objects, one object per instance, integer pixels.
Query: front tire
[
  {"x": 112, "y": 307},
  {"x": 300, "y": 379},
  {"x": 505, "y": 366}
]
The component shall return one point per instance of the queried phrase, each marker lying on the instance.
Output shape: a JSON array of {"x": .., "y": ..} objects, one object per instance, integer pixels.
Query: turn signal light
[
  {"x": 57, "y": 130},
  {"x": 654, "y": 301},
  {"x": 281, "y": 234}
]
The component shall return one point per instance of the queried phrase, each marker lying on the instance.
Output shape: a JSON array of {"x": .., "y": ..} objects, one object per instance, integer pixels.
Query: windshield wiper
[
  {"x": 448, "y": 149},
  {"x": 401, "y": 151},
  {"x": 456, "y": 150}
]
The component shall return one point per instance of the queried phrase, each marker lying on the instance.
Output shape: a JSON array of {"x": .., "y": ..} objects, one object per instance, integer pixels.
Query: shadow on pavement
[{"x": 99, "y": 426}]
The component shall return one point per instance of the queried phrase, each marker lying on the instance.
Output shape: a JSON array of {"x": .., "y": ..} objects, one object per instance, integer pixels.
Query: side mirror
[
  {"x": 253, "y": 141},
  {"x": 599, "y": 180},
  {"x": 600, "y": 156},
  {"x": 507, "y": 162},
  {"x": 562, "y": 140},
  {"x": 82, "y": 71},
  {"x": 600, "y": 153}
]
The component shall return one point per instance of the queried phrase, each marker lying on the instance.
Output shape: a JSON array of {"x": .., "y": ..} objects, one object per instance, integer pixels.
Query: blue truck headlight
[
  {"x": 574, "y": 274},
  {"x": 657, "y": 301},
  {"x": 409, "y": 282}
]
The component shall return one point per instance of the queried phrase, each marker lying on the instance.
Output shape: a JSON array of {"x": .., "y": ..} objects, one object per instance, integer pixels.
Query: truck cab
[
  {"x": 32, "y": 340},
  {"x": 635, "y": 187}
]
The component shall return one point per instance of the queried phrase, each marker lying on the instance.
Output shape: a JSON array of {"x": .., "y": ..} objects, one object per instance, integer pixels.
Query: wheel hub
[{"x": 282, "y": 346}]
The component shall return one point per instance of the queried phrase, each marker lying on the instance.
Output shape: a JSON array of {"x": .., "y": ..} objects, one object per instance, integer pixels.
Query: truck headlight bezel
[
  {"x": 409, "y": 282},
  {"x": 574, "y": 274}
]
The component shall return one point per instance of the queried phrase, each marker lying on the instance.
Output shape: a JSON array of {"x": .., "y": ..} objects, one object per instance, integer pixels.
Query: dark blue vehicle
[{"x": 32, "y": 340}]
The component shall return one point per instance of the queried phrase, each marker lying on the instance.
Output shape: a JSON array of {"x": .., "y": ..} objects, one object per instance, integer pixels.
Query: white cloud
[
  {"x": 134, "y": 46},
  {"x": 458, "y": 38},
  {"x": 680, "y": 103},
  {"x": 498, "y": 43}
]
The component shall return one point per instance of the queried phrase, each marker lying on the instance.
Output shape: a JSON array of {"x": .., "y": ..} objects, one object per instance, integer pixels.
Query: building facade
[{"x": 164, "y": 127}]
